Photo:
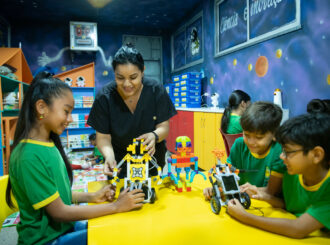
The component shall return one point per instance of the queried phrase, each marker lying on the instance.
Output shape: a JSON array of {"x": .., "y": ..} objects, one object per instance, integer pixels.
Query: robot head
[{"x": 183, "y": 145}]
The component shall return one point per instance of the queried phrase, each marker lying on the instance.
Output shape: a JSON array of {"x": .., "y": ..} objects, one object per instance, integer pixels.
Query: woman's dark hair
[
  {"x": 127, "y": 54},
  {"x": 261, "y": 117},
  {"x": 235, "y": 99},
  {"x": 92, "y": 137},
  {"x": 43, "y": 87},
  {"x": 308, "y": 131},
  {"x": 317, "y": 105}
]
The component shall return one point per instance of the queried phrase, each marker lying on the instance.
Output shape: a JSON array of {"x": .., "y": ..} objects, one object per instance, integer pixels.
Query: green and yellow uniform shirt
[
  {"x": 234, "y": 125},
  {"x": 266, "y": 164},
  {"x": 315, "y": 200},
  {"x": 38, "y": 176},
  {"x": 97, "y": 154}
]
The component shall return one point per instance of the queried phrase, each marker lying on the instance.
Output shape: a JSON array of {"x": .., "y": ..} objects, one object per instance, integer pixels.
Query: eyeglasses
[{"x": 286, "y": 153}]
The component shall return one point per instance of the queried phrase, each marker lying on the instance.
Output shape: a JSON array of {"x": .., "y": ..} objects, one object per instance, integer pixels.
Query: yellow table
[{"x": 186, "y": 218}]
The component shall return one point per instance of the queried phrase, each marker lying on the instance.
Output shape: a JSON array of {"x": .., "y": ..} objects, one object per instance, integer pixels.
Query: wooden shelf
[{"x": 8, "y": 127}]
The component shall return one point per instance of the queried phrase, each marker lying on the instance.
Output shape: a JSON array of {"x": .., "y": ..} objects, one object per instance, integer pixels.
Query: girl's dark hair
[
  {"x": 43, "y": 87},
  {"x": 308, "y": 131},
  {"x": 317, "y": 105},
  {"x": 127, "y": 54},
  {"x": 235, "y": 99},
  {"x": 261, "y": 117}
]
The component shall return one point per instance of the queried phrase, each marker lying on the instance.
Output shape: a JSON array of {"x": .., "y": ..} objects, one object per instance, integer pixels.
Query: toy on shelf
[
  {"x": 80, "y": 81},
  {"x": 183, "y": 159},
  {"x": 138, "y": 160},
  {"x": 225, "y": 187}
]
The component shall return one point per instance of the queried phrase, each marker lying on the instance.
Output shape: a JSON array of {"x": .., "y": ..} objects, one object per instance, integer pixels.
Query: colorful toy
[
  {"x": 225, "y": 186},
  {"x": 138, "y": 160},
  {"x": 183, "y": 160}
]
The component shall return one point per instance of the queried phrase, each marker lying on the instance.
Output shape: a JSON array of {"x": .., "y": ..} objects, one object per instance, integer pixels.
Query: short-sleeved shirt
[
  {"x": 234, "y": 125},
  {"x": 262, "y": 166},
  {"x": 38, "y": 176},
  {"x": 97, "y": 154},
  {"x": 110, "y": 115},
  {"x": 315, "y": 200}
]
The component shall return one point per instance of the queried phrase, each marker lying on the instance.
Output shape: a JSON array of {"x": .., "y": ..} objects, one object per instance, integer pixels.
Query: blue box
[
  {"x": 190, "y": 81},
  {"x": 190, "y": 75}
]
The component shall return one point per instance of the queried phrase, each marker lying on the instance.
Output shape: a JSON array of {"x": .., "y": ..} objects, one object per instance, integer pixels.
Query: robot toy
[
  {"x": 138, "y": 161},
  {"x": 225, "y": 187},
  {"x": 183, "y": 159}
]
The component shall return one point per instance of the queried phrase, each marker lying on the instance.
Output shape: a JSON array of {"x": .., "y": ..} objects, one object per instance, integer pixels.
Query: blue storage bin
[
  {"x": 176, "y": 78},
  {"x": 176, "y": 94},
  {"x": 176, "y": 89},
  {"x": 190, "y": 81},
  {"x": 190, "y": 93},
  {"x": 190, "y": 75}
]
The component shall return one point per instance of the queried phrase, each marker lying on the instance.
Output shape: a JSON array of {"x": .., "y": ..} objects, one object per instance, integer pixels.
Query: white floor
[{"x": 8, "y": 236}]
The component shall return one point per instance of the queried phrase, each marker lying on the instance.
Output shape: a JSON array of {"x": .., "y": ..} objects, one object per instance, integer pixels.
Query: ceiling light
[{"x": 99, "y": 3}]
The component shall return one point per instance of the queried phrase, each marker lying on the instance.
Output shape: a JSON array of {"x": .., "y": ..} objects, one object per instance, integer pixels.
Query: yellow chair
[{"x": 5, "y": 210}]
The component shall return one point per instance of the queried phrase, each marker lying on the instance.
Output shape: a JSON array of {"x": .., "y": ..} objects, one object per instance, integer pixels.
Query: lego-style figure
[
  {"x": 138, "y": 160},
  {"x": 225, "y": 187},
  {"x": 183, "y": 159}
]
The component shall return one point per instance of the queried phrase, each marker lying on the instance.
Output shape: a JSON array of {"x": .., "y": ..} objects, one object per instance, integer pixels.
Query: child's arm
[
  {"x": 295, "y": 228},
  {"x": 66, "y": 213},
  {"x": 107, "y": 193}
]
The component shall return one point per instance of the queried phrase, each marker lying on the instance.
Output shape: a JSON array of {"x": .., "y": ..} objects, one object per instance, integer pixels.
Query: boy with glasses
[{"x": 306, "y": 180}]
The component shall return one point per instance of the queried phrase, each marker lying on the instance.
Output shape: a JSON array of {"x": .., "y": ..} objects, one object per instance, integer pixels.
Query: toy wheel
[
  {"x": 215, "y": 205},
  {"x": 153, "y": 195},
  {"x": 145, "y": 190},
  {"x": 247, "y": 201}
]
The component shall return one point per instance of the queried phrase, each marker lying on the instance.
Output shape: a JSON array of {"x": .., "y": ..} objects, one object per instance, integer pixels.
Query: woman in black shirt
[{"x": 130, "y": 107}]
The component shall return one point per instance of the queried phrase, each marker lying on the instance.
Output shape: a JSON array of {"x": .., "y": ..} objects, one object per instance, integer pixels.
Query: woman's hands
[
  {"x": 208, "y": 192},
  {"x": 149, "y": 141},
  {"x": 109, "y": 164}
]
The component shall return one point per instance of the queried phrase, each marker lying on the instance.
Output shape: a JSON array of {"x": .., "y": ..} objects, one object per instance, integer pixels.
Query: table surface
[{"x": 186, "y": 218}]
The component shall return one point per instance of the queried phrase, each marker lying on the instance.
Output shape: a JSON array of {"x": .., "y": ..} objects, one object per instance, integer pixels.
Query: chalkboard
[{"x": 241, "y": 23}]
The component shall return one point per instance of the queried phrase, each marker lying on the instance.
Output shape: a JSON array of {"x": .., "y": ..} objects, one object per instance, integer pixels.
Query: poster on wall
[
  {"x": 242, "y": 23},
  {"x": 187, "y": 44},
  {"x": 232, "y": 27},
  {"x": 194, "y": 41},
  {"x": 83, "y": 36}
]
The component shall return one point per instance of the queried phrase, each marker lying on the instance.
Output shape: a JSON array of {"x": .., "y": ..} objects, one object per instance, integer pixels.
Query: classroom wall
[
  {"x": 47, "y": 45},
  {"x": 302, "y": 72}
]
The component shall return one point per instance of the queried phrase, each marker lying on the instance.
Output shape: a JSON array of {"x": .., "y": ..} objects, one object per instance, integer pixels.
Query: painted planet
[
  {"x": 63, "y": 68},
  {"x": 328, "y": 78},
  {"x": 261, "y": 66},
  {"x": 211, "y": 80},
  {"x": 235, "y": 62},
  {"x": 279, "y": 53},
  {"x": 105, "y": 73},
  {"x": 250, "y": 67}
]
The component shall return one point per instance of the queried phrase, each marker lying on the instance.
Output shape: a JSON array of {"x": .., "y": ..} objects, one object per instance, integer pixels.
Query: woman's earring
[{"x": 41, "y": 117}]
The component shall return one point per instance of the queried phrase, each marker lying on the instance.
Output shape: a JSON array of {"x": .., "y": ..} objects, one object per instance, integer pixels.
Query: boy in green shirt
[
  {"x": 256, "y": 152},
  {"x": 96, "y": 157},
  {"x": 306, "y": 180}
]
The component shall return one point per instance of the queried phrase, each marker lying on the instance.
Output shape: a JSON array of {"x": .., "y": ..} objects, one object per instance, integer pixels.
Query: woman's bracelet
[{"x": 156, "y": 136}]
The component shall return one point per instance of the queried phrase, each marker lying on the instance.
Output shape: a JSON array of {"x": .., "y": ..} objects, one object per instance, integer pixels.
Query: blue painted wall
[{"x": 302, "y": 72}]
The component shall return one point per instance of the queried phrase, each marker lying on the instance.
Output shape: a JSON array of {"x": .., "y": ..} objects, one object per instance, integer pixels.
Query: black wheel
[
  {"x": 215, "y": 205},
  {"x": 145, "y": 190},
  {"x": 246, "y": 200},
  {"x": 153, "y": 195}
]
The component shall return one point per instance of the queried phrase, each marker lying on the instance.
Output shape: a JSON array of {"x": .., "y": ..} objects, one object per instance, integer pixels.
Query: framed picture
[
  {"x": 83, "y": 36},
  {"x": 187, "y": 44}
]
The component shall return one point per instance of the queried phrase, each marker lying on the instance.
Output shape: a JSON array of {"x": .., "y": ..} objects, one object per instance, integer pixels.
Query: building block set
[{"x": 182, "y": 160}]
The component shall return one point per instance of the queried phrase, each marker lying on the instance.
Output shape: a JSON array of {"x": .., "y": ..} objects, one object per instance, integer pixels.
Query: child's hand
[
  {"x": 208, "y": 192},
  {"x": 149, "y": 140},
  {"x": 107, "y": 193},
  {"x": 129, "y": 200},
  {"x": 249, "y": 189},
  {"x": 235, "y": 209}
]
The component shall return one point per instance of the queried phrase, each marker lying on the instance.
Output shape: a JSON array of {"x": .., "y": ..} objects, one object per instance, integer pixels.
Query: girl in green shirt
[
  {"x": 40, "y": 174},
  {"x": 237, "y": 104}
]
